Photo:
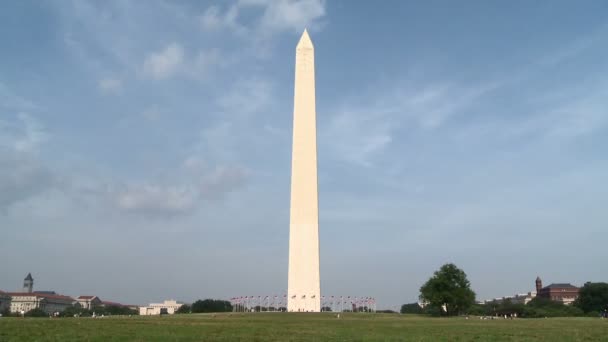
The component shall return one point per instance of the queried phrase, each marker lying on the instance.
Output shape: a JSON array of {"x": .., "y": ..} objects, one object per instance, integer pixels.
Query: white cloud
[
  {"x": 199, "y": 66},
  {"x": 288, "y": 15},
  {"x": 152, "y": 113},
  {"x": 24, "y": 134},
  {"x": 156, "y": 199},
  {"x": 213, "y": 20},
  {"x": 21, "y": 177},
  {"x": 358, "y": 132},
  {"x": 432, "y": 106},
  {"x": 277, "y": 16},
  {"x": 247, "y": 96},
  {"x": 576, "y": 112},
  {"x": 245, "y": 107},
  {"x": 165, "y": 63},
  {"x": 356, "y": 137},
  {"x": 12, "y": 101},
  {"x": 173, "y": 61},
  {"x": 21, "y": 174},
  {"x": 110, "y": 85}
]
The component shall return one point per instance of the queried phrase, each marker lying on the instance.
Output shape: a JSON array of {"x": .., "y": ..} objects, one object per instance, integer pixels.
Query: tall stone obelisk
[{"x": 304, "y": 285}]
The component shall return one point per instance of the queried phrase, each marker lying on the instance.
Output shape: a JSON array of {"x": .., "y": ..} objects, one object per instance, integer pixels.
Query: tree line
[
  {"x": 77, "y": 311},
  {"x": 207, "y": 305},
  {"x": 448, "y": 293}
]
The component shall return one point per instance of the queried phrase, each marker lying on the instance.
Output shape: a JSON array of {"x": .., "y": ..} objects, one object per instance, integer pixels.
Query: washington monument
[{"x": 304, "y": 284}]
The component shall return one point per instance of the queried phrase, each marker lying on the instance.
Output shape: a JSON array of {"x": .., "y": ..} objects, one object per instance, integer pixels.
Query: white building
[
  {"x": 168, "y": 306},
  {"x": 520, "y": 298},
  {"x": 89, "y": 302},
  {"x": 50, "y": 303}
]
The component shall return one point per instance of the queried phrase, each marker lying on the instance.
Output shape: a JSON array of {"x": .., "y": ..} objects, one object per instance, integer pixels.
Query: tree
[
  {"x": 545, "y": 307},
  {"x": 37, "y": 312},
  {"x": 211, "y": 305},
  {"x": 72, "y": 311},
  {"x": 448, "y": 290},
  {"x": 412, "y": 308},
  {"x": 6, "y": 312},
  {"x": 116, "y": 310},
  {"x": 593, "y": 297},
  {"x": 184, "y": 309}
]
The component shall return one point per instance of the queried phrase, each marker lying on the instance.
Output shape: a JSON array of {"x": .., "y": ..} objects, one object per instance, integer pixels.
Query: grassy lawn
[{"x": 300, "y": 327}]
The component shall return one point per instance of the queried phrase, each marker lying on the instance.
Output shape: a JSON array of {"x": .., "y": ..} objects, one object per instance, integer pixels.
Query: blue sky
[{"x": 145, "y": 145}]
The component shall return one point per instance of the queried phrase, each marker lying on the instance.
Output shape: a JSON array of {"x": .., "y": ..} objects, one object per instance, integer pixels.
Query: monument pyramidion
[{"x": 304, "y": 284}]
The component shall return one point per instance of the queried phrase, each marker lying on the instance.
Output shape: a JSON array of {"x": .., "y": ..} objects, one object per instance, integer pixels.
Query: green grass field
[{"x": 300, "y": 327}]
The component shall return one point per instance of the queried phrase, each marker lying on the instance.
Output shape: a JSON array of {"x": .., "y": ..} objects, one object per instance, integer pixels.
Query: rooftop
[
  {"x": 39, "y": 295},
  {"x": 86, "y": 297},
  {"x": 561, "y": 286}
]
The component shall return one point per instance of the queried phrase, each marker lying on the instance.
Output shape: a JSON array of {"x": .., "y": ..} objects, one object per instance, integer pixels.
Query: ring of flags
[{"x": 279, "y": 303}]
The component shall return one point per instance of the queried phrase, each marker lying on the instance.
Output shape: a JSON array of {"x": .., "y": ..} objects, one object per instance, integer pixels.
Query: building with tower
[
  {"x": 28, "y": 284},
  {"x": 28, "y": 299},
  {"x": 24, "y": 302},
  {"x": 559, "y": 292}
]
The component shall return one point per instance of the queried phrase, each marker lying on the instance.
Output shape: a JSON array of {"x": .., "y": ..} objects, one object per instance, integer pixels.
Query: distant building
[
  {"x": 520, "y": 298},
  {"x": 28, "y": 283},
  {"x": 5, "y": 301},
  {"x": 29, "y": 299},
  {"x": 559, "y": 292},
  {"x": 133, "y": 307},
  {"x": 26, "y": 301},
  {"x": 89, "y": 302},
  {"x": 168, "y": 306}
]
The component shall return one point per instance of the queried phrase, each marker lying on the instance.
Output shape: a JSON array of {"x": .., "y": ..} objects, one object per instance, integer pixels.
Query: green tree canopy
[
  {"x": 184, "y": 309},
  {"x": 411, "y": 308},
  {"x": 211, "y": 305},
  {"x": 448, "y": 290},
  {"x": 36, "y": 313},
  {"x": 593, "y": 297}
]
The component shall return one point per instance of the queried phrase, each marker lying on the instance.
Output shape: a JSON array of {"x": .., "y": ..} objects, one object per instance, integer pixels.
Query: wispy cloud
[
  {"x": 287, "y": 15},
  {"x": 277, "y": 16},
  {"x": 157, "y": 199},
  {"x": 164, "y": 63},
  {"x": 24, "y": 134},
  {"x": 174, "y": 61},
  {"x": 575, "y": 48},
  {"x": 358, "y": 132},
  {"x": 213, "y": 19},
  {"x": 246, "y": 97},
  {"x": 9, "y": 100},
  {"x": 110, "y": 85},
  {"x": 22, "y": 175},
  {"x": 570, "y": 112}
]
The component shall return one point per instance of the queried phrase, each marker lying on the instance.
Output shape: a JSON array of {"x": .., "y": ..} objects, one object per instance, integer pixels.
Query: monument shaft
[{"x": 304, "y": 286}]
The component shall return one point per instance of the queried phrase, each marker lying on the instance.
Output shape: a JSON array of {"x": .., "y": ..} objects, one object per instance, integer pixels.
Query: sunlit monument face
[{"x": 304, "y": 285}]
